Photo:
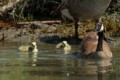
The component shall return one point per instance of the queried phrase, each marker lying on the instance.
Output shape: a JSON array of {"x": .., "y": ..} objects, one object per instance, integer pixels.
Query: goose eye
[{"x": 99, "y": 27}]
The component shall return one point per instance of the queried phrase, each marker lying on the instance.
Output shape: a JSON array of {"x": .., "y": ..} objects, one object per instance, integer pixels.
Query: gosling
[
  {"x": 27, "y": 48},
  {"x": 93, "y": 46},
  {"x": 66, "y": 48}
]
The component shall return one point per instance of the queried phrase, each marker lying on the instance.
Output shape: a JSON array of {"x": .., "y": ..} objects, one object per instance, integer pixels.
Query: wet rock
[
  {"x": 50, "y": 39},
  {"x": 51, "y": 29}
]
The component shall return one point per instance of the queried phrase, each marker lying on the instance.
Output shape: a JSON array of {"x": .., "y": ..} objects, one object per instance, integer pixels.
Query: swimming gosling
[
  {"x": 93, "y": 46},
  {"x": 66, "y": 46},
  {"x": 31, "y": 48},
  {"x": 82, "y": 10}
]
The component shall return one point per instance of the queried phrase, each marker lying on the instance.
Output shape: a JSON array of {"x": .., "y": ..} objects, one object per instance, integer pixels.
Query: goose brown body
[{"x": 89, "y": 46}]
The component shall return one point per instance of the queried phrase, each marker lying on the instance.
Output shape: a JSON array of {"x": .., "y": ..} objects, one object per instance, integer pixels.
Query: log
[{"x": 41, "y": 22}]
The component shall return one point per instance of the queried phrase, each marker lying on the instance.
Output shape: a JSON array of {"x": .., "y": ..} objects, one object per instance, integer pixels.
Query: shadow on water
[
  {"x": 56, "y": 39},
  {"x": 55, "y": 68}
]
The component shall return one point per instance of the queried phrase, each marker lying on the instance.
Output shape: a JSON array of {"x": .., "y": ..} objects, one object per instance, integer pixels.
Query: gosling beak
[{"x": 60, "y": 45}]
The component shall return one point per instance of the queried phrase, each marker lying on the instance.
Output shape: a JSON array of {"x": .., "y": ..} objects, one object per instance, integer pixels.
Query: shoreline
[{"x": 37, "y": 31}]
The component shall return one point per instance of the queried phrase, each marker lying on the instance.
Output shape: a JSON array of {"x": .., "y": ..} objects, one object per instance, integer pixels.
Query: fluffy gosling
[
  {"x": 31, "y": 48},
  {"x": 66, "y": 46}
]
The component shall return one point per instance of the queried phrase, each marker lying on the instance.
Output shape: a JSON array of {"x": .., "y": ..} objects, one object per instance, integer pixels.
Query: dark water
[{"x": 52, "y": 64}]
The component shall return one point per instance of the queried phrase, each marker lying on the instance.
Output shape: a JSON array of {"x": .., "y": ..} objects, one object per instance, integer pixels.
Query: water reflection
[
  {"x": 71, "y": 68},
  {"x": 91, "y": 69},
  {"x": 33, "y": 58},
  {"x": 52, "y": 64}
]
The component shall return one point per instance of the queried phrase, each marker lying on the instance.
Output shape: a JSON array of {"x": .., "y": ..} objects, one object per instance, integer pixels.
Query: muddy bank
[
  {"x": 45, "y": 31},
  {"x": 35, "y": 31}
]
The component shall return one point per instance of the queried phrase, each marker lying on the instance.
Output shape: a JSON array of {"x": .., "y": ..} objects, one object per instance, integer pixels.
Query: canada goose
[
  {"x": 66, "y": 46},
  {"x": 32, "y": 47},
  {"x": 83, "y": 9},
  {"x": 93, "y": 46}
]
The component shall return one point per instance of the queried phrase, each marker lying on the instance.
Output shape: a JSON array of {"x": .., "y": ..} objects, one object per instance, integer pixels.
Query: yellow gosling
[
  {"x": 66, "y": 46},
  {"x": 31, "y": 48}
]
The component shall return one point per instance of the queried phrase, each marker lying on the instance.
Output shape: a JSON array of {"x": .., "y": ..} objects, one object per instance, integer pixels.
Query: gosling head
[
  {"x": 67, "y": 46},
  {"x": 65, "y": 42},
  {"x": 34, "y": 43},
  {"x": 62, "y": 44},
  {"x": 34, "y": 48}
]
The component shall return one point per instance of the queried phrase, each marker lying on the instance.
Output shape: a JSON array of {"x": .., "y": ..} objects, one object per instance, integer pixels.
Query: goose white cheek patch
[{"x": 99, "y": 27}]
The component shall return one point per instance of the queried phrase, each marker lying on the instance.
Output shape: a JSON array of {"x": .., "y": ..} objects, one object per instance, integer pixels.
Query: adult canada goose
[
  {"x": 31, "y": 48},
  {"x": 83, "y": 9},
  {"x": 94, "y": 46},
  {"x": 66, "y": 46}
]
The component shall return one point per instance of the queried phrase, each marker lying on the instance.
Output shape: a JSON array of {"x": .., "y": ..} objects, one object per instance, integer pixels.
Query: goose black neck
[{"x": 100, "y": 41}]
